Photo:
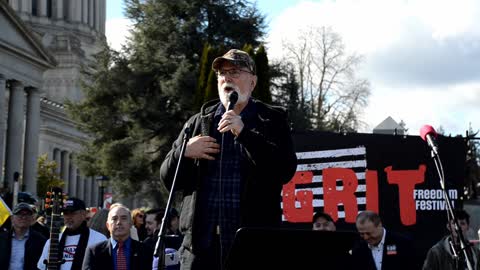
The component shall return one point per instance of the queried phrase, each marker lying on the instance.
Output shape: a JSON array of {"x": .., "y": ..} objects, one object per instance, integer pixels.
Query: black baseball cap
[
  {"x": 23, "y": 206},
  {"x": 73, "y": 204}
]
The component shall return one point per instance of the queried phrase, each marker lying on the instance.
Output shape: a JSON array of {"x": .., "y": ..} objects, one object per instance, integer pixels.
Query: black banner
[{"x": 343, "y": 174}]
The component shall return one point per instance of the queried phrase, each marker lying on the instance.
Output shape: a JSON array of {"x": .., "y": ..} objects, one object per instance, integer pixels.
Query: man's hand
[
  {"x": 231, "y": 121},
  {"x": 202, "y": 147}
]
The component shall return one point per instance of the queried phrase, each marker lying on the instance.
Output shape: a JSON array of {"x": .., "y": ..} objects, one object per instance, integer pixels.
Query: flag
[{"x": 5, "y": 212}]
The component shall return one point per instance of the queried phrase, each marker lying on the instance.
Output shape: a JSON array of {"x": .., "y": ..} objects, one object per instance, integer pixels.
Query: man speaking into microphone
[{"x": 239, "y": 156}]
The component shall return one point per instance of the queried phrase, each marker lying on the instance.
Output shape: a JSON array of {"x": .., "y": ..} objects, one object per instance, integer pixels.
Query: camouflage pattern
[{"x": 236, "y": 57}]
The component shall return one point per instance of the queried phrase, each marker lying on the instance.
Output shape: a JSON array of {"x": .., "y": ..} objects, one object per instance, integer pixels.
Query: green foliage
[
  {"x": 211, "y": 92},
  {"x": 248, "y": 48},
  {"x": 47, "y": 176},
  {"x": 207, "y": 82},
  {"x": 136, "y": 101},
  {"x": 209, "y": 86},
  {"x": 285, "y": 89},
  {"x": 230, "y": 23},
  {"x": 262, "y": 90},
  {"x": 204, "y": 73}
]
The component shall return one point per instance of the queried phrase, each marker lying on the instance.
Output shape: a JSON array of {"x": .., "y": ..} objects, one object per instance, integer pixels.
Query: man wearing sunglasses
[{"x": 238, "y": 157}]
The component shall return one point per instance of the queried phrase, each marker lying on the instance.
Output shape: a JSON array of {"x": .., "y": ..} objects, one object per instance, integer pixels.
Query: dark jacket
[
  {"x": 99, "y": 256},
  {"x": 41, "y": 229},
  {"x": 401, "y": 255},
  {"x": 33, "y": 249},
  {"x": 170, "y": 241},
  {"x": 269, "y": 158},
  {"x": 439, "y": 257}
]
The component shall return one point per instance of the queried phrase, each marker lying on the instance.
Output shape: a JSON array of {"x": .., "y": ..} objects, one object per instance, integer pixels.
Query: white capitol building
[{"x": 43, "y": 46}]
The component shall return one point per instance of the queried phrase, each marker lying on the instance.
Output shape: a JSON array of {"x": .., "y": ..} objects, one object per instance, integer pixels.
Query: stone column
[
  {"x": 30, "y": 153},
  {"x": 57, "y": 9},
  {"x": 43, "y": 148},
  {"x": 85, "y": 11},
  {"x": 64, "y": 172},
  {"x": 42, "y": 8},
  {"x": 91, "y": 14},
  {"x": 73, "y": 178},
  {"x": 77, "y": 10},
  {"x": 57, "y": 156},
  {"x": 103, "y": 15},
  {"x": 15, "y": 4},
  {"x": 97, "y": 15},
  {"x": 27, "y": 6},
  {"x": 95, "y": 191},
  {"x": 88, "y": 191},
  {"x": 3, "y": 123},
  {"x": 14, "y": 131},
  {"x": 80, "y": 186},
  {"x": 70, "y": 10}
]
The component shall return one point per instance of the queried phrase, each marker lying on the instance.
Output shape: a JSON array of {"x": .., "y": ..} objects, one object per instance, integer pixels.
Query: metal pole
[{"x": 102, "y": 190}]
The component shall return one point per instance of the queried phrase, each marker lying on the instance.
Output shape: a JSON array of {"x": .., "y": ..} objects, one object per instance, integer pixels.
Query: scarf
[{"x": 81, "y": 246}]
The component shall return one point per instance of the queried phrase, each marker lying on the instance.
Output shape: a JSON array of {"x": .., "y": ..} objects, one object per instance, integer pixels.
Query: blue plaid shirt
[{"x": 219, "y": 200}]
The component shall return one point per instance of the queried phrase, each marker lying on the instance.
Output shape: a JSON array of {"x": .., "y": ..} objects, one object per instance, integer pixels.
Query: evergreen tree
[
  {"x": 285, "y": 92},
  {"x": 205, "y": 68},
  {"x": 211, "y": 91},
  {"x": 230, "y": 23},
  {"x": 137, "y": 101},
  {"x": 248, "y": 48},
  {"x": 262, "y": 90},
  {"x": 208, "y": 87}
]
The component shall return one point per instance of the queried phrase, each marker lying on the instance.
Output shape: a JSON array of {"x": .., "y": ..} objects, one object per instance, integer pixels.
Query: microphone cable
[
  {"x": 232, "y": 100},
  {"x": 220, "y": 207}
]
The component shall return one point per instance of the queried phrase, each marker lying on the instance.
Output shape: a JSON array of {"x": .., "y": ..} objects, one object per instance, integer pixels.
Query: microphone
[
  {"x": 232, "y": 100},
  {"x": 188, "y": 128},
  {"x": 429, "y": 135}
]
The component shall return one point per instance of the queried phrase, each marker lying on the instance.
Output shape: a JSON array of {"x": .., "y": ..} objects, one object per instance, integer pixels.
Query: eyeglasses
[{"x": 232, "y": 73}]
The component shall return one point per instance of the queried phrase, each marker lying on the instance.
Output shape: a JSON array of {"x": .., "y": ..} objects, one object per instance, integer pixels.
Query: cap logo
[{"x": 68, "y": 203}]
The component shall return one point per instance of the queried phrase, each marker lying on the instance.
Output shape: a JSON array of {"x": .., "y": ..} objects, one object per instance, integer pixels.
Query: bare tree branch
[{"x": 326, "y": 74}]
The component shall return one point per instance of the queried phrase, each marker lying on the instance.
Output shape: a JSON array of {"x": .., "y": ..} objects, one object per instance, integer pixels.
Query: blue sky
[
  {"x": 269, "y": 7},
  {"x": 114, "y": 10},
  {"x": 422, "y": 57}
]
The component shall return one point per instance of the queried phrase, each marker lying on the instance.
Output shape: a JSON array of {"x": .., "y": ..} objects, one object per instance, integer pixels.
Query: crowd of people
[
  {"x": 238, "y": 153},
  {"x": 380, "y": 249},
  {"x": 112, "y": 245},
  {"x": 86, "y": 243}
]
